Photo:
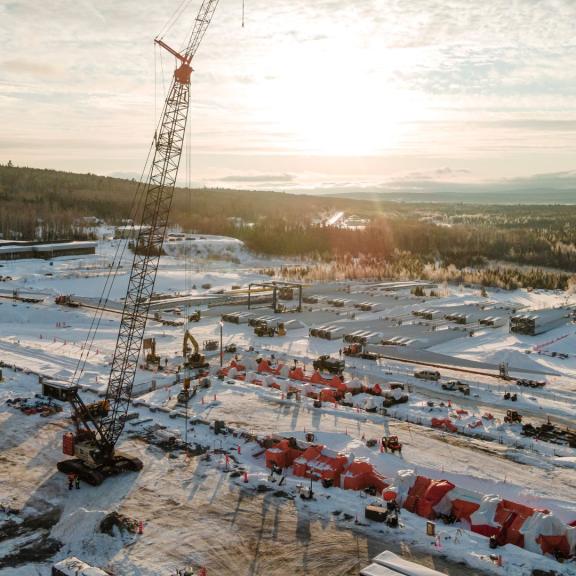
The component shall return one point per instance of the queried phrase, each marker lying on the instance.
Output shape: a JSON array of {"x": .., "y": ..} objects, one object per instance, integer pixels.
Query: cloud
[{"x": 432, "y": 85}]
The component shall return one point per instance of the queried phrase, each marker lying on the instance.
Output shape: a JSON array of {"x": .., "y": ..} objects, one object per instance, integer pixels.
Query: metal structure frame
[{"x": 274, "y": 286}]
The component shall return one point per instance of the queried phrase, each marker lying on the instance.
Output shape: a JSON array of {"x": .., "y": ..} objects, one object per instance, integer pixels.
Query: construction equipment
[
  {"x": 150, "y": 352},
  {"x": 432, "y": 375},
  {"x": 549, "y": 432},
  {"x": 356, "y": 350},
  {"x": 193, "y": 360},
  {"x": 66, "y": 300},
  {"x": 94, "y": 444},
  {"x": 328, "y": 364},
  {"x": 188, "y": 391},
  {"x": 210, "y": 345},
  {"x": 456, "y": 386},
  {"x": 195, "y": 316},
  {"x": 389, "y": 399},
  {"x": 512, "y": 417},
  {"x": 270, "y": 331},
  {"x": 531, "y": 383},
  {"x": 391, "y": 444}
]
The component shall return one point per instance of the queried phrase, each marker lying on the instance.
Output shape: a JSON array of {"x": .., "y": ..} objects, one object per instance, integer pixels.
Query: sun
[{"x": 336, "y": 105}]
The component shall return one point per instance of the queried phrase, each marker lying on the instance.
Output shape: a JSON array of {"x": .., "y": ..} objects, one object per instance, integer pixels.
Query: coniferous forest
[{"x": 492, "y": 245}]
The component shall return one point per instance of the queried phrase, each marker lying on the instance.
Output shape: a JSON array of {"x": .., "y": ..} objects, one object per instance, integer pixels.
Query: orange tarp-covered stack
[
  {"x": 283, "y": 454},
  {"x": 361, "y": 475},
  {"x": 297, "y": 374},
  {"x": 320, "y": 463},
  {"x": 511, "y": 517},
  {"x": 425, "y": 494}
]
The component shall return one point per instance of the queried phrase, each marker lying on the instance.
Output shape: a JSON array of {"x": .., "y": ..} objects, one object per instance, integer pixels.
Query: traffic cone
[
  {"x": 245, "y": 476},
  {"x": 140, "y": 527}
]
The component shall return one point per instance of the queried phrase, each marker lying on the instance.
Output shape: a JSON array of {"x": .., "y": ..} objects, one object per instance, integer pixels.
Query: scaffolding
[{"x": 280, "y": 291}]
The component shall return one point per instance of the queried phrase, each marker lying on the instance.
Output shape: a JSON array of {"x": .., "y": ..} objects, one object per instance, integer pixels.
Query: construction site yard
[{"x": 206, "y": 497}]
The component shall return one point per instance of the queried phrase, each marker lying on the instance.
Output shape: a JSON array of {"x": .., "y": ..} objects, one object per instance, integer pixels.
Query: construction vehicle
[
  {"x": 188, "y": 391},
  {"x": 270, "y": 331},
  {"x": 391, "y": 444},
  {"x": 512, "y": 417},
  {"x": 432, "y": 375},
  {"x": 389, "y": 400},
  {"x": 66, "y": 300},
  {"x": 210, "y": 345},
  {"x": 150, "y": 352},
  {"x": 456, "y": 386},
  {"x": 195, "y": 316},
  {"x": 327, "y": 364},
  {"x": 193, "y": 360},
  {"x": 356, "y": 350},
  {"x": 93, "y": 446},
  {"x": 531, "y": 383}
]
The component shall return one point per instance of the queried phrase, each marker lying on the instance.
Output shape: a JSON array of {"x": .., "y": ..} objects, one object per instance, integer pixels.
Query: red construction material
[
  {"x": 297, "y": 374},
  {"x": 327, "y": 395},
  {"x": 511, "y": 516},
  {"x": 320, "y": 463},
  {"x": 282, "y": 455},
  {"x": 557, "y": 546},
  {"x": 238, "y": 366},
  {"x": 463, "y": 509},
  {"x": 361, "y": 475},
  {"x": 425, "y": 494},
  {"x": 444, "y": 423}
]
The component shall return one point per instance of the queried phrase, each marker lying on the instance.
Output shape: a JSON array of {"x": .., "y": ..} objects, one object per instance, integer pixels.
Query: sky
[{"x": 315, "y": 95}]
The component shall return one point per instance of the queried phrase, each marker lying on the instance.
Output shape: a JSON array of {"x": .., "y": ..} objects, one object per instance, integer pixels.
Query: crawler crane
[{"x": 93, "y": 446}]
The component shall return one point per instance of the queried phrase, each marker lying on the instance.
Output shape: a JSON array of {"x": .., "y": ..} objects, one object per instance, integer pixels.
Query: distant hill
[
  {"x": 59, "y": 199},
  {"x": 536, "y": 196}
]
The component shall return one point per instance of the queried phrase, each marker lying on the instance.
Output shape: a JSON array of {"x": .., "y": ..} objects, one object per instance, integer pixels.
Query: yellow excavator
[{"x": 192, "y": 357}]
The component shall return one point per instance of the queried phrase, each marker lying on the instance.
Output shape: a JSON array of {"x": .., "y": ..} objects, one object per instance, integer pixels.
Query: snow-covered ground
[{"x": 195, "y": 512}]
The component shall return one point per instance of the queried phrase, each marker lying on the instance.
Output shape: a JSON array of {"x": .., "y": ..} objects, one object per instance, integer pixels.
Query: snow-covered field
[{"x": 194, "y": 511}]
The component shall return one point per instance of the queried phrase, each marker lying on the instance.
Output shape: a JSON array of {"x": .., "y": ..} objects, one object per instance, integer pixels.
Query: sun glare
[{"x": 326, "y": 102}]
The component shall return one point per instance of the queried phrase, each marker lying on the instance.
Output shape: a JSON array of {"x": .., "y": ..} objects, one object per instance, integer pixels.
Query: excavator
[
  {"x": 192, "y": 360},
  {"x": 92, "y": 447}
]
